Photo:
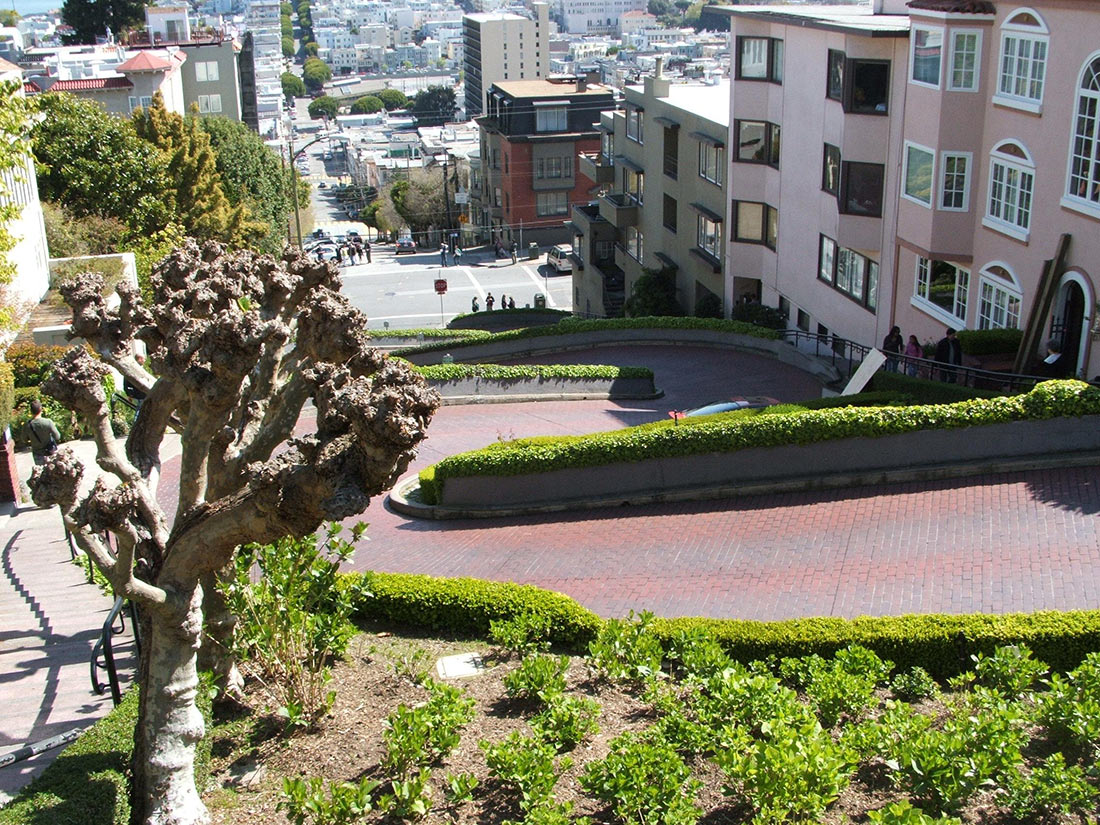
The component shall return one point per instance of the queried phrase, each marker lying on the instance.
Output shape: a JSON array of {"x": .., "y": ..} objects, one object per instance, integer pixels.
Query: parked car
[
  {"x": 558, "y": 258},
  {"x": 731, "y": 404},
  {"x": 404, "y": 245},
  {"x": 322, "y": 185}
]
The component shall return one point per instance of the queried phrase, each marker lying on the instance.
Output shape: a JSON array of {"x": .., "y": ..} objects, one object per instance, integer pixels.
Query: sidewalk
[{"x": 50, "y": 618}]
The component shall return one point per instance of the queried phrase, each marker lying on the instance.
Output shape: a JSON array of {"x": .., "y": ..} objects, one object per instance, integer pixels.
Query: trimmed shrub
[
  {"x": 926, "y": 391},
  {"x": 31, "y": 363},
  {"x": 990, "y": 341},
  {"x": 7, "y": 394},
  {"x": 728, "y": 433},
  {"x": 571, "y": 326},
  {"x": 465, "y": 607},
  {"x": 519, "y": 372},
  {"x": 433, "y": 332},
  {"x": 762, "y": 316}
]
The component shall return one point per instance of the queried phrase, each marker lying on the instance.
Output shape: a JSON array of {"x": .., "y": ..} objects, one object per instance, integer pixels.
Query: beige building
[
  {"x": 661, "y": 174},
  {"x": 500, "y": 46}
]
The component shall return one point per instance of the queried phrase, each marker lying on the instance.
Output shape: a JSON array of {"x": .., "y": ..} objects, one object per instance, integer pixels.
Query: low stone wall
[
  {"x": 495, "y": 351},
  {"x": 475, "y": 389},
  {"x": 980, "y": 449}
]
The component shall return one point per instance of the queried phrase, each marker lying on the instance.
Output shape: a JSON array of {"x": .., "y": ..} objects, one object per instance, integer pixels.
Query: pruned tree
[{"x": 239, "y": 343}]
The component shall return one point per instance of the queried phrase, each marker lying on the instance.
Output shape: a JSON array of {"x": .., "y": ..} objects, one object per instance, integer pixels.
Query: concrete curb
[{"x": 403, "y": 497}]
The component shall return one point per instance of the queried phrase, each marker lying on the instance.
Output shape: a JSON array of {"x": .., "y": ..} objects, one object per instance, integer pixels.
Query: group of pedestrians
[
  {"x": 506, "y": 302},
  {"x": 456, "y": 256},
  {"x": 911, "y": 353},
  {"x": 355, "y": 252},
  {"x": 500, "y": 251}
]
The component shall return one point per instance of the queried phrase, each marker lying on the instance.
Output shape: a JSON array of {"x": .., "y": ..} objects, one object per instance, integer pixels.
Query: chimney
[
  {"x": 582, "y": 83},
  {"x": 656, "y": 85},
  {"x": 659, "y": 69}
]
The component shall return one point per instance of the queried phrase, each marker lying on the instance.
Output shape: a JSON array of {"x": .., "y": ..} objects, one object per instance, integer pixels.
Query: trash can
[
  {"x": 532, "y": 251},
  {"x": 540, "y": 301}
]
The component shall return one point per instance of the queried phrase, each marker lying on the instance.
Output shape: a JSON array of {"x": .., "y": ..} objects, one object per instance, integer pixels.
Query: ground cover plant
[{"x": 699, "y": 738}]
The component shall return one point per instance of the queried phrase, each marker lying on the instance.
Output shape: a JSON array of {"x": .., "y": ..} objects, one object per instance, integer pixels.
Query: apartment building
[
  {"x": 597, "y": 16},
  {"x": 919, "y": 164},
  {"x": 530, "y": 137},
  {"x": 499, "y": 47},
  {"x": 661, "y": 172}
]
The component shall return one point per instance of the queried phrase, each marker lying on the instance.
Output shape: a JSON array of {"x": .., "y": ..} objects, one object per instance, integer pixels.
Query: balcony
[
  {"x": 597, "y": 167},
  {"x": 619, "y": 210}
]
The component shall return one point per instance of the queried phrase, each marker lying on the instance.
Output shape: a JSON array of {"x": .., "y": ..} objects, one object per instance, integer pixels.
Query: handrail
[
  {"x": 842, "y": 351},
  {"x": 105, "y": 645}
]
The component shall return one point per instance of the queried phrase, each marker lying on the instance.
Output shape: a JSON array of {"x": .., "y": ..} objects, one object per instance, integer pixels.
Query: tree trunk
[
  {"x": 216, "y": 653},
  {"x": 170, "y": 724}
]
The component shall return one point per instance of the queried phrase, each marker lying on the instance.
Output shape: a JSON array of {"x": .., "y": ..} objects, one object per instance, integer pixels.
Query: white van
[{"x": 558, "y": 257}]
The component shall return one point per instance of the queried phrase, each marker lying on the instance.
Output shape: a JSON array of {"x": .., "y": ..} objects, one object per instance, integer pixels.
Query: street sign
[
  {"x": 463, "y": 218},
  {"x": 441, "y": 286}
]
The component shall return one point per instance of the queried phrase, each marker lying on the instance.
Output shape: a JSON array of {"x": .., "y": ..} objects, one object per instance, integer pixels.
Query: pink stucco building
[{"x": 919, "y": 164}]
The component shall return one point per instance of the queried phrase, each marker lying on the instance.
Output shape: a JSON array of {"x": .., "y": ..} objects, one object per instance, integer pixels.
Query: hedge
[
  {"x": 728, "y": 433},
  {"x": 941, "y": 644},
  {"x": 572, "y": 326},
  {"x": 69, "y": 424},
  {"x": 926, "y": 391},
  {"x": 504, "y": 372},
  {"x": 431, "y": 332},
  {"x": 465, "y": 607},
  {"x": 32, "y": 363},
  {"x": 7, "y": 395},
  {"x": 89, "y": 780},
  {"x": 990, "y": 341}
]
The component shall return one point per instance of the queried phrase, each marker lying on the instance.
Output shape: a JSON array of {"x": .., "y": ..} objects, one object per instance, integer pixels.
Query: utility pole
[
  {"x": 447, "y": 197},
  {"x": 293, "y": 180}
]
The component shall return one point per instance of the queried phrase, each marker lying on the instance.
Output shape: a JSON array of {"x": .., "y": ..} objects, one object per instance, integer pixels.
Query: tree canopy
[
  {"x": 367, "y": 105},
  {"x": 324, "y": 106},
  {"x": 288, "y": 47},
  {"x": 419, "y": 199},
  {"x": 15, "y": 113},
  {"x": 654, "y": 293},
  {"x": 315, "y": 74},
  {"x": 434, "y": 106},
  {"x": 96, "y": 164},
  {"x": 293, "y": 85},
  {"x": 392, "y": 99},
  {"x": 91, "y": 18}
]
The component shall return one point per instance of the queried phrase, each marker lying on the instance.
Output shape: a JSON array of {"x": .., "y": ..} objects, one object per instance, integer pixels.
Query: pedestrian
[
  {"x": 474, "y": 305},
  {"x": 442, "y": 254},
  {"x": 498, "y": 249},
  {"x": 1055, "y": 365},
  {"x": 515, "y": 251},
  {"x": 458, "y": 255},
  {"x": 511, "y": 302},
  {"x": 949, "y": 353},
  {"x": 489, "y": 301},
  {"x": 339, "y": 256},
  {"x": 42, "y": 433},
  {"x": 366, "y": 250},
  {"x": 892, "y": 345},
  {"x": 503, "y": 301},
  {"x": 913, "y": 350}
]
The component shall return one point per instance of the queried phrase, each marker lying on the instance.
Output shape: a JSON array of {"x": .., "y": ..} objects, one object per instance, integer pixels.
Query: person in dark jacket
[
  {"x": 949, "y": 353},
  {"x": 42, "y": 433},
  {"x": 1056, "y": 364},
  {"x": 892, "y": 345}
]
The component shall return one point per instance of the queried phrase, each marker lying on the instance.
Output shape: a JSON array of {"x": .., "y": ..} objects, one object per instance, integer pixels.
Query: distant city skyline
[{"x": 29, "y": 7}]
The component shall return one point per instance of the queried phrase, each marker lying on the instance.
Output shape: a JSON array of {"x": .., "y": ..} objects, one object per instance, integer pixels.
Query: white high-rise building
[{"x": 502, "y": 46}]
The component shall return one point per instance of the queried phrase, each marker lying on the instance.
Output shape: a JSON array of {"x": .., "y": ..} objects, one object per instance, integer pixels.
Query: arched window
[
  {"x": 1011, "y": 182},
  {"x": 1083, "y": 184},
  {"x": 1024, "y": 44},
  {"x": 999, "y": 296}
]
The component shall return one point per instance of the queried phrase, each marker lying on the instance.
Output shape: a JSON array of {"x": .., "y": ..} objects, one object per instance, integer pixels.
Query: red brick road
[{"x": 997, "y": 543}]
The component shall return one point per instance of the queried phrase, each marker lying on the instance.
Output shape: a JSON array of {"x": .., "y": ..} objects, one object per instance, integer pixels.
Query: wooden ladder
[{"x": 1040, "y": 308}]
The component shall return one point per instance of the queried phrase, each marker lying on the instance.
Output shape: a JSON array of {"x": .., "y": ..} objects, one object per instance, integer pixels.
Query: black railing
[
  {"x": 113, "y": 626},
  {"x": 847, "y": 355}
]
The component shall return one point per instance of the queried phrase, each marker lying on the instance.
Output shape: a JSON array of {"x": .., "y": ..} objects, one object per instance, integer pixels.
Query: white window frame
[
  {"x": 551, "y": 203},
  {"x": 712, "y": 162},
  {"x": 206, "y": 71},
  {"x": 708, "y": 235},
  {"x": 945, "y": 161},
  {"x": 634, "y": 243},
  {"x": 996, "y": 295},
  {"x": 1084, "y": 144},
  {"x": 923, "y": 277},
  {"x": 930, "y": 30},
  {"x": 1009, "y": 197},
  {"x": 634, "y": 124},
  {"x": 975, "y": 82},
  {"x": 551, "y": 118},
  {"x": 1035, "y": 36},
  {"x": 909, "y": 146},
  {"x": 210, "y": 104}
]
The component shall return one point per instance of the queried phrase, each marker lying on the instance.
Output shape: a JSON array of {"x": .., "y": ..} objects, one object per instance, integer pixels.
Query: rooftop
[
  {"x": 145, "y": 62},
  {"x": 548, "y": 88},
  {"x": 855, "y": 19},
  {"x": 92, "y": 84}
]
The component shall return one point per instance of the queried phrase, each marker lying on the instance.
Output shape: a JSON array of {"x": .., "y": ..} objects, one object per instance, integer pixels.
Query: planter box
[
  {"x": 866, "y": 458},
  {"x": 474, "y": 390}
]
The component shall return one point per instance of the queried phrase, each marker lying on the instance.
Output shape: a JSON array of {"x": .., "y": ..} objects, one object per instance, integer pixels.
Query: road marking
[{"x": 543, "y": 285}]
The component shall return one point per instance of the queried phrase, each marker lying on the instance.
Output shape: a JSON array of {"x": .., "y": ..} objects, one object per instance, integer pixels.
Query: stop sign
[{"x": 441, "y": 286}]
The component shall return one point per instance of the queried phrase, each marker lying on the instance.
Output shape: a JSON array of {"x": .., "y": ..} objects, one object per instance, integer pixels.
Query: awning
[
  {"x": 705, "y": 138},
  {"x": 707, "y": 211},
  {"x": 667, "y": 121},
  {"x": 621, "y": 160}
]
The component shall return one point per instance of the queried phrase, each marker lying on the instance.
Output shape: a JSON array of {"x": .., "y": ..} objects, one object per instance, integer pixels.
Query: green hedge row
[
  {"x": 7, "y": 395},
  {"x": 990, "y": 341},
  {"x": 941, "y": 644},
  {"x": 505, "y": 372},
  {"x": 572, "y": 326},
  {"x": 432, "y": 332},
  {"x": 927, "y": 391},
  {"x": 729, "y": 433},
  {"x": 89, "y": 780},
  {"x": 465, "y": 607}
]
